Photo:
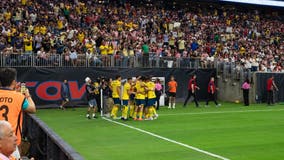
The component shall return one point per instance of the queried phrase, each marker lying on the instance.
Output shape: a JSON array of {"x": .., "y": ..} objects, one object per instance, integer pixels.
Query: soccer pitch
[{"x": 231, "y": 131}]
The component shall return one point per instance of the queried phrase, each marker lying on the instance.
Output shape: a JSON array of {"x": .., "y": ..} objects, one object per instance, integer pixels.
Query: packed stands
[{"x": 118, "y": 34}]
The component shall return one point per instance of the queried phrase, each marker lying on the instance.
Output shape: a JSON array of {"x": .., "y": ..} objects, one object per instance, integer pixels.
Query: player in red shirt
[
  {"x": 212, "y": 92},
  {"x": 192, "y": 87},
  {"x": 270, "y": 87}
]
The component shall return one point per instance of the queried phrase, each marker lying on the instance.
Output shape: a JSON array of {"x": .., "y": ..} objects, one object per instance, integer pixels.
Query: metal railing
[
  {"x": 234, "y": 71},
  {"x": 226, "y": 70},
  {"x": 82, "y": 60}
]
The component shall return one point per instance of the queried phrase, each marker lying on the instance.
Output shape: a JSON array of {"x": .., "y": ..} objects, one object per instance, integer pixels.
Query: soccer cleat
[
  {"x": 107, "y": 115},
  {"x": 95, "y": 117},
  {"x": 116, "y": 118},
  {"x": 149, "y": 119},
  {"x": 155, "y": 116},
  {"x": 174, "y": 107},
  {"x": 135, "y": 119},
  {"x": 140, "y": 119},
  {"x": 123, "y": 118}
]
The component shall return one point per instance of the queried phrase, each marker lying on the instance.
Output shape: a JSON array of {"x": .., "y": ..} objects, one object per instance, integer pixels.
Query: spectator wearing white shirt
[{"x": 73, "y": 57}]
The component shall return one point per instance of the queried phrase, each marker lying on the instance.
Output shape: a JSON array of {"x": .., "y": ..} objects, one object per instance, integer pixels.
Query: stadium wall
[
  {"x": 261, "y": 93},
  {"x": 230, "y": 90},
  {"x": 45, "y": 83},
  {"x": 46, "y": 144}
]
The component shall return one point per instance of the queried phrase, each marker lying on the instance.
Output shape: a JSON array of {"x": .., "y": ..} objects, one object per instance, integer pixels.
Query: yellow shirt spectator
[
  {"x": 60, "y": 24},
  {"x": 43, "y": 30},
  {"x": 36, "y": 29},
  {"x": 110, "y": 50},
  {"x": 90, "y": 46},
  {"x": 7, "y": 16},
  {"x": 103, "y": 49},
  {"x": 24, "y": 2},
  {"x": 28, "y": 44},
  {"x": 119, "y": 25},
  {"x": 242, "y": 50},
  {"x": 81, "y": 36}
]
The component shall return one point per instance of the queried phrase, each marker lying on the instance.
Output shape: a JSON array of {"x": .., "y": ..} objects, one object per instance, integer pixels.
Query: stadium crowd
[{"x": 237, "y": 39}]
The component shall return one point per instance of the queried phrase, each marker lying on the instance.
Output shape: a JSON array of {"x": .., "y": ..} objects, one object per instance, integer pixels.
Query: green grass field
[{"x": 231, "y": 131}]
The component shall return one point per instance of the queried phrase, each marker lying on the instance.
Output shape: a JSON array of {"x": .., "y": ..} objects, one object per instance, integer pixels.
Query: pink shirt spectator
[
  {"x": 246, "y": 85},
  {"x": 158, "y": 86}
]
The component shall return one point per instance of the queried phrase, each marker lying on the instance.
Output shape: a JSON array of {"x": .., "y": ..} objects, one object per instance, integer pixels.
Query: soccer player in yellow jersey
[
  {"x": 140, "y": 98},
  {"x": 125, "y": 98},
  {"x": 150, "y": 110},
  {"x": 115, "y": 87},
  {"x": 132, "y": 99}
]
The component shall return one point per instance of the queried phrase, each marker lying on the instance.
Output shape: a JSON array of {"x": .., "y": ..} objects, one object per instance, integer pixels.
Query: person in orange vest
[
  {"x": 172, "y": 84},
  {"x": 14, "y": 103},
  {"x": 8, "y": 141}
]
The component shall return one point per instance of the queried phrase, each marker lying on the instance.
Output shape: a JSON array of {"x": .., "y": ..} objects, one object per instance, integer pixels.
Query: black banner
[
  {"x": 261, "y": 91},
  {"x": 45, "y": 83}
]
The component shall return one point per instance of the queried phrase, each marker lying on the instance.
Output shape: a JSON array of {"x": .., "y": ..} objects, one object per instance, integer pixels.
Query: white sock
[
  {"x": 174, "y": 105},
  {"x": 87, "y": 115},
  {"x": 169, "y": 105},
  {"x": 94, "y": 114}
]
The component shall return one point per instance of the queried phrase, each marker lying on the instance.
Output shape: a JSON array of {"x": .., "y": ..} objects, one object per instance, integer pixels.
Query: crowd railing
[
  {"x": 83, "y": 60},
  {"x": 225, "y": 70}
]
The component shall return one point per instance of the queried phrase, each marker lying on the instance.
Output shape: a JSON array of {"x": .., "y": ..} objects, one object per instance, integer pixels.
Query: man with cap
[{"x": 90, "y": 91}]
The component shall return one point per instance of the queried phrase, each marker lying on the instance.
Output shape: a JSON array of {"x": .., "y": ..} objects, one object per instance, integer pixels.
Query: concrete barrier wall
[{"x": 230, "y": 89}]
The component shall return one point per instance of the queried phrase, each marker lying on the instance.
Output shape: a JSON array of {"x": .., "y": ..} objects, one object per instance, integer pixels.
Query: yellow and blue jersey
[{"x": 114, "y": 87}]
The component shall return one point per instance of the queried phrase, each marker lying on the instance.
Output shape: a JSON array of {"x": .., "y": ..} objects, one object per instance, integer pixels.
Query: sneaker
[
  {"x": 116, "y": 118},
  {"x": 149, "y": 119},
  {"x": 107, "y": 115},
  {"x": 88, "y": 117},
  {"x": 61, "y": 107},
  {"x": 156, "y": 116},
  {"x": 124, "y": 119}
]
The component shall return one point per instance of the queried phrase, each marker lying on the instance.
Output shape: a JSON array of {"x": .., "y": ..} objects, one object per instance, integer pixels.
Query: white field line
[
  {"x": 221, "y": 112},
  {"x": 169, "y": 140}
]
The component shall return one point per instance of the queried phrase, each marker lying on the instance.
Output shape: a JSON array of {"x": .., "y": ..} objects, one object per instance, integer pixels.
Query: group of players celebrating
[{"x": 134, "y": 97}]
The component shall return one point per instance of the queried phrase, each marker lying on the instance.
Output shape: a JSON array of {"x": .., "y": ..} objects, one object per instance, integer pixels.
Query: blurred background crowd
[{"x": 141, "y": 34}]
